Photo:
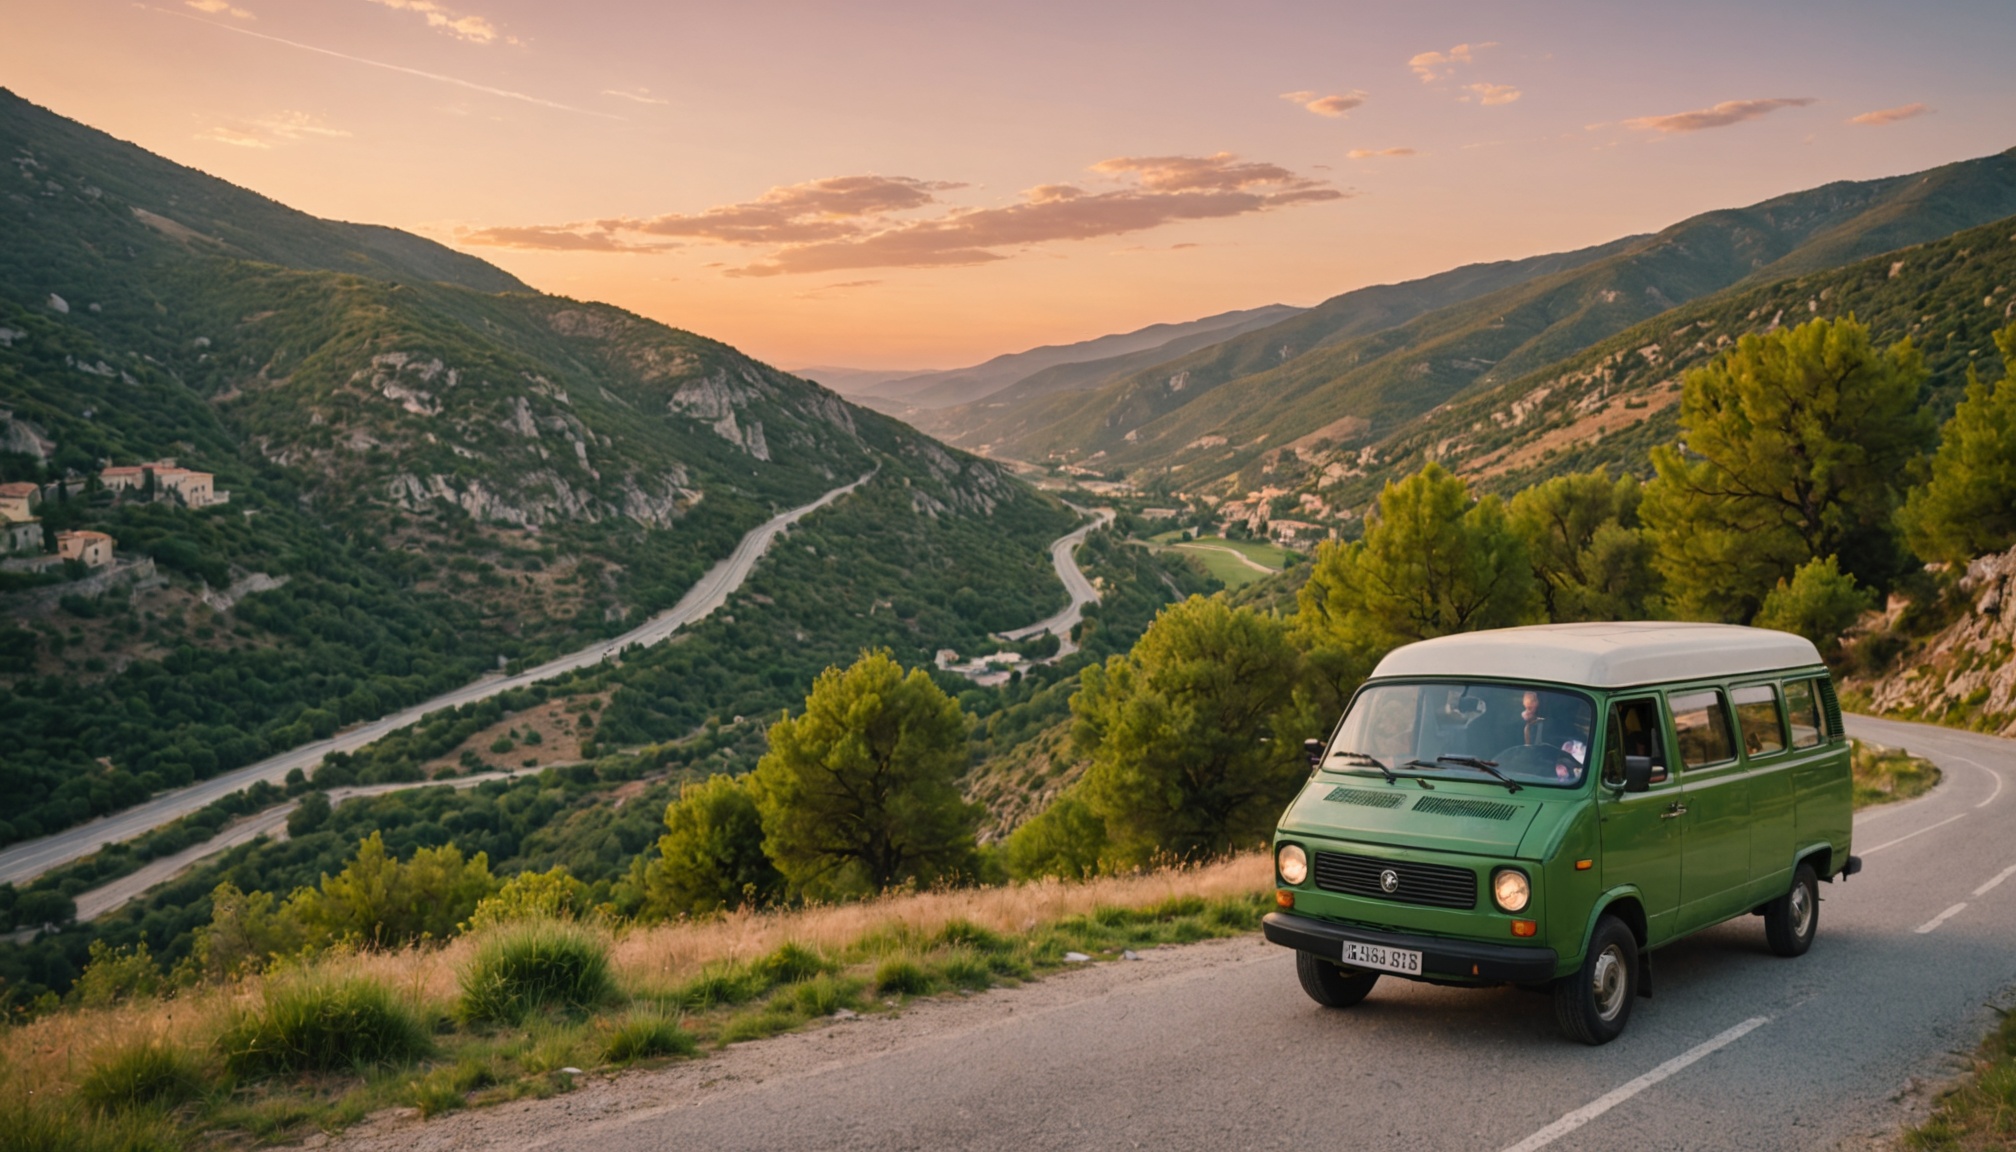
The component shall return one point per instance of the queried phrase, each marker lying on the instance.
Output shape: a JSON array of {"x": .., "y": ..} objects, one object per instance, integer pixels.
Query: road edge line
[{"x": 1625, "y": 1091}]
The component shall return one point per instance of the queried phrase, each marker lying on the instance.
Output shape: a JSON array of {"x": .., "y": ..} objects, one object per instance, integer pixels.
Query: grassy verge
[
  {"x": 1883, "y": 775},
  {"x": 526, "y": 1008},
  {"x": 1981, "y": 1113}
]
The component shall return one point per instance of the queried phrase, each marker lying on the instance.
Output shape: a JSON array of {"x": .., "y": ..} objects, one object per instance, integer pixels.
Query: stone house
[
  {"x": 93, "y": 548},
  {"x": 194, "y": 489},
  {"x": 18, "y": 500},
  {"x": 21, "y": 536},
  {"x": 1288, "y": 532}
]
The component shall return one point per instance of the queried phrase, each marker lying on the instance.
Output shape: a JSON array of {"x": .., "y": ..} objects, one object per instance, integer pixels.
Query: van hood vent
[
  {"x": 1368, "y": 799},
  {"x": 1470, "y": 809}
]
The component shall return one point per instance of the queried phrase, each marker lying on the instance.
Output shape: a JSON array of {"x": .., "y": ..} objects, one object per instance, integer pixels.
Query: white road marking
[
  {"x": 1909, "y": 835},
  {"x": 1984, "y": 889},
  {"x": 1941, "y": 918},
  {"x": 1989, "y": 771},
  {"x": 1602, "y": 1104}
]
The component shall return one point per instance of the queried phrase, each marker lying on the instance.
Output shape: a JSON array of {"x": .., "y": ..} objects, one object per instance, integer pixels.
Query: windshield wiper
[
  {"x": 1362, "y": 758},
  {"x": 1483, "y": 765}
]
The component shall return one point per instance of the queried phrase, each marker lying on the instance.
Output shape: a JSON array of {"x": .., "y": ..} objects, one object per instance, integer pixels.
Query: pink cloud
[
  {"x": 1891, "y": 115},
  {"x": 1433, "y": 66},
  {"x": 1720, "y": 116},
  {"x": 1334, "y": 106},
  {"x": 1378, "y": 153},
  {"x": 1492, "y": 94}
]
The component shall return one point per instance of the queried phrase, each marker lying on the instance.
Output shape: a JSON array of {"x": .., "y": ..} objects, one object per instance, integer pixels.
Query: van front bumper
[{"x": 1440, "y": 957}]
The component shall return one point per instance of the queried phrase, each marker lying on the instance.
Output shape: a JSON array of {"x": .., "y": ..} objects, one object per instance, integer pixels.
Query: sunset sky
[{"x": 926, "y": 185}]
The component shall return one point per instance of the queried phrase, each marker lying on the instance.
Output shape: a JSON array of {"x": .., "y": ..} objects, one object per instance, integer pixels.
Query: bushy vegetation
[
  {"x": 316, "y": 1023},
  {"x": 532, "y": 966}
]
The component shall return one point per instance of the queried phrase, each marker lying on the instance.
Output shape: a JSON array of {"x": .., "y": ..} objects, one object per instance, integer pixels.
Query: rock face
[{"x": 1967, "y": 668}]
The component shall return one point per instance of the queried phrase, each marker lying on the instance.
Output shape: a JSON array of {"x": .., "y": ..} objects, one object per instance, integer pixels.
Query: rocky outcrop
[{"x": 1965, "y": 672}]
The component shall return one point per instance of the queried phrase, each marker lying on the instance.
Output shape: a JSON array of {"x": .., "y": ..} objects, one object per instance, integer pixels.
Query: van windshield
[{"x": 1533, "y": 735}]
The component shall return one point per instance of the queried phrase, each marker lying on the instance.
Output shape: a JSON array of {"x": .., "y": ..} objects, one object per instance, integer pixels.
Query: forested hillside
[
  {"x": 1260, "y": 420},
  {"x": 433, "y": 472}
]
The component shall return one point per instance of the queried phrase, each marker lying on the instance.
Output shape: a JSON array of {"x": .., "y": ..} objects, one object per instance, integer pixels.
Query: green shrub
[
  {"x": 825, "y": 995},
  {"x": 901, "y": 976},
  {"x": 766, "y": 1021},
  {"x": 535, "y": 964},
  {"x": 137, "y": 1075},
  {"x": 720, "y": 985},
  {"x": 965, "y": 968},
  {"x": 956, "y": 933},
  {"x": 323, "y": 1025},
  {"x": 644, "y": 1036},
  {"x": 789, "y": 964}
]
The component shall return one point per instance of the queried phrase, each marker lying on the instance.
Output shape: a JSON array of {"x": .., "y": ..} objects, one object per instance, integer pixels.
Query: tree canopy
[
  {"x": 1968, "y": 507},
  {"x": 861, "y": 790},
  {"x": 1795, "y": 445},
  {"x": 1591, "y": 558},
  {"x": 711, "y": 856},
  {"x": 1183, "y": 734}
]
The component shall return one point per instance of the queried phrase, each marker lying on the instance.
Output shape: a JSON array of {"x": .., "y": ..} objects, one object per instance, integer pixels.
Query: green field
[{"x": 1214, "y": 554}]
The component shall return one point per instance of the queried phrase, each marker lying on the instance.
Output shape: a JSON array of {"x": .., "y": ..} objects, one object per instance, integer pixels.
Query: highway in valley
[
  {"x": 25, "y": 861},
  {"x": 1214, "y": 1046},
  {"x": 1062, "y": 558}
]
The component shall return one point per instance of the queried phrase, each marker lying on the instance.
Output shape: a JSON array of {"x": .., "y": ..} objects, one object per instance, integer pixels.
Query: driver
[{"x": 1567, "y": 768}]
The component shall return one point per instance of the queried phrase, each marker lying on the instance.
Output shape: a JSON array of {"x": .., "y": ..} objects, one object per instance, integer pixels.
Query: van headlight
[
  {"x": 1511, "y": 890},
  {"x": 1292, "y": 863}
]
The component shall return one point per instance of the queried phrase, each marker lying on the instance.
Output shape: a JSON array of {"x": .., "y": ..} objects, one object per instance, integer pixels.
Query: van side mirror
[
  {"x": 1312, "y": 750},
  {"x": 1637, "y": 773}
]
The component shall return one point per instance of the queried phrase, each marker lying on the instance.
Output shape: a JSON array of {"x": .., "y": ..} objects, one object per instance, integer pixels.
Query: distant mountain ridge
[
  {"x": 903, "y": 392},
  {"x": 1271, "y": 405}
]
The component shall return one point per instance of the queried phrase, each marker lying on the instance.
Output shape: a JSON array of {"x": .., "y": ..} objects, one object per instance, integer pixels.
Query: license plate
[{"x": 1385, "y": 959}]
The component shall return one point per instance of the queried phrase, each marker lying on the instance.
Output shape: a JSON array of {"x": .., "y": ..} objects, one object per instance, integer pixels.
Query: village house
[
  {"x": 21, "y": 536},
  {"x": 18, "y": 500},
  {"x": 194, "y": 489},
  {"x": 1292, "y": 532},
  {"x": 93, "y": 548}
]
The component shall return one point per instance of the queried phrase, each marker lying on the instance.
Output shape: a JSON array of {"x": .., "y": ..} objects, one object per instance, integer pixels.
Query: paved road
[
  {"x": 1080, "y": 588},
  {"x": 1740, "y": 1050},
  {"x": 31, "y": 858}
]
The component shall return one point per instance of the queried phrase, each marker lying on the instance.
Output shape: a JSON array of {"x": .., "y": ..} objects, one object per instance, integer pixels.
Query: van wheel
[
  {"x": 1791, "y": 920},
  {"x": 1332, "y": 985},
  {"x": 1593, "y": 1003}
]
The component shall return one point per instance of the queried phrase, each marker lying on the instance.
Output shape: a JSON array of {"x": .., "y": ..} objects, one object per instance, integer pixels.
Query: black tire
[
  {"x": 1594, "y": 1003},
  {"x": 1791, "y": 920},
  {"x": 1330, "y": 984}
]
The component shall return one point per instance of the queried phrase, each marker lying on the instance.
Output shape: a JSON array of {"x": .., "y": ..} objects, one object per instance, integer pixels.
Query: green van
[{"x": 1546, "y": 806}]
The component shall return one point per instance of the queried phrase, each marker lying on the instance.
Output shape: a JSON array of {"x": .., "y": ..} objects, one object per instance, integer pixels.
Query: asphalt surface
[
  {"x": 1080, "y": 588},
  {"x": 1739, "y": 1049},
  {"x": 30, "y": 858}
]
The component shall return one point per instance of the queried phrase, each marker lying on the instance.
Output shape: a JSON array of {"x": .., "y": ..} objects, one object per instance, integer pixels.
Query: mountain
[
  {"x": 1611, "y": 402},
  {"x": 434, "y": 471},
  {"x": 926, "y": 390},
  {"x": 1229, "y": 416}
]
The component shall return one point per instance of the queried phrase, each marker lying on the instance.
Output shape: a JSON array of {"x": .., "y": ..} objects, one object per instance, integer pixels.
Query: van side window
[
  {"x": 1701, "y": 725},
  {"x": 1634, "y": 731},
  {"x": 1804, "y": 706},
  {"x": 1758, "y": 720}
]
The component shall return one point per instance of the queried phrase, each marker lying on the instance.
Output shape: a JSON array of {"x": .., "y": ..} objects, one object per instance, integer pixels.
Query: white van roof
[{"x": 1617, "y": 655}]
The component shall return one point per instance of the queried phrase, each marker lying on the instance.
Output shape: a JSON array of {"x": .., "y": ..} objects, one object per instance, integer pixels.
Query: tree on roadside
[
  {"x": 1431, "y": 563},
  {"x": 1184, "y": 733},
  {"x": 711, "y": 856},
  {"x": 1968, "y": 507},
  {"x": 1820, "y": 602},
  {"x": 861, "y": 791},
  {"x": 1067, "y": 840},
  {"x": 1795, "y": 446},
  {"x": 1589, "y": 555}
]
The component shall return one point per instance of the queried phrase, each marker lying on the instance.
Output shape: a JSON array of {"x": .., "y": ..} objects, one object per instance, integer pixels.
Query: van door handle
[{"x": 1674, "y": 809}]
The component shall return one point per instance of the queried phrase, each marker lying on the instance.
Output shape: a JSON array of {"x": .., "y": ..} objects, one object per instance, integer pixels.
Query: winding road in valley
[
  {"x": 1213, "y": 1046},
  {"x": 1063, "y": 558},
  {"x": 25, "y": 861}
]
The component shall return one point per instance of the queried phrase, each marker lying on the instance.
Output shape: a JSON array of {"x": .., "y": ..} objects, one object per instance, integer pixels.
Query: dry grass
[{"x": 48, "y": 1056}]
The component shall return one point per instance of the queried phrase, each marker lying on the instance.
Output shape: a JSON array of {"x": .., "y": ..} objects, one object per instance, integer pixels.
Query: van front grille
[{"x": 1436, "y": 885}]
